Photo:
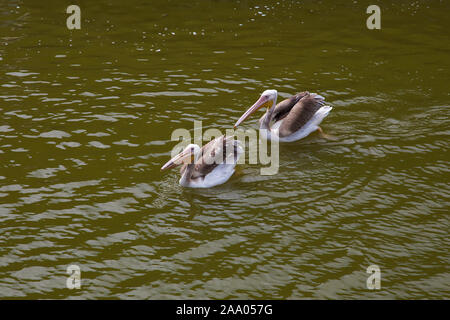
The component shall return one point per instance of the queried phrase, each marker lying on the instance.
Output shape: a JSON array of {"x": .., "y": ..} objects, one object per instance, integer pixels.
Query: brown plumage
[
  {"x": 282, "y": 108},
  {"x": 299, "y": 114},
  {"x": 213, "y": 154}
]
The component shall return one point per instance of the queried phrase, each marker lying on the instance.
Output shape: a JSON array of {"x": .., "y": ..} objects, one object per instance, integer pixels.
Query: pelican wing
[
  {"x": 282, "y": 108},
  {"x": 303, "y": 110},
  {"x": 213, "y": 154},
  {"x": 204, "y": 150}
]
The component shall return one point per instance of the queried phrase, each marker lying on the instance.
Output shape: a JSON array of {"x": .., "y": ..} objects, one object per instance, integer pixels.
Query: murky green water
[{"x": 86, "y": 123}]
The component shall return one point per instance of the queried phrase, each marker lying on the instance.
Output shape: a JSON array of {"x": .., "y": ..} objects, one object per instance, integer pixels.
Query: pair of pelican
[{"x": 290, "y": 120}]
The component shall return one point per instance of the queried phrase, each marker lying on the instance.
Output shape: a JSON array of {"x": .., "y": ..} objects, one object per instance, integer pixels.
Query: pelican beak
[
  {"x": 185, "y": 156},
  {"x": 263, "y": 101}
]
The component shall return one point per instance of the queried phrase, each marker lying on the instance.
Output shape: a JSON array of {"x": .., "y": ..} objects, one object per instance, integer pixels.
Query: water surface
[{"x": 86, "y": 123}]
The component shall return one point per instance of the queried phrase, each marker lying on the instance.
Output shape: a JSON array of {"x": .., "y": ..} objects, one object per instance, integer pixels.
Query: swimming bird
[
  {"x": 293, "y": 118},
  {"x": 209, "y": 166}
]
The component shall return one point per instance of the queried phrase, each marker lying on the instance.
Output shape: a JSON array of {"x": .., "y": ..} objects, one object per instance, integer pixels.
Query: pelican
[
  {"x": 209, "y": 166},
  {"x": 293, "y": 118}
]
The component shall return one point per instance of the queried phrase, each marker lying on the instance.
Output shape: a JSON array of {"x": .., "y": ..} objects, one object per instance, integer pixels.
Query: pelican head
[
  {"x": 187, "y": 156},
  {"x": 268, "y": 99}
]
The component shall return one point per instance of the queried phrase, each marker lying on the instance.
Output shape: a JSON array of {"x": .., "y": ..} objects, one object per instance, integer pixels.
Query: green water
[{"x": 86, "y": 123}]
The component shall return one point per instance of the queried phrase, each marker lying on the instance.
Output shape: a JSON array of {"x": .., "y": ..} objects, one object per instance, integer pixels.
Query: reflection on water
[{"x": 86, "y": 123}]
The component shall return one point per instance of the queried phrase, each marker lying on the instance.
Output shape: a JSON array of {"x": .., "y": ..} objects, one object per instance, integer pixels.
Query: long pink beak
[
  {"x": 178, "y": 159},
  {"x": 258, "y": 104}
]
